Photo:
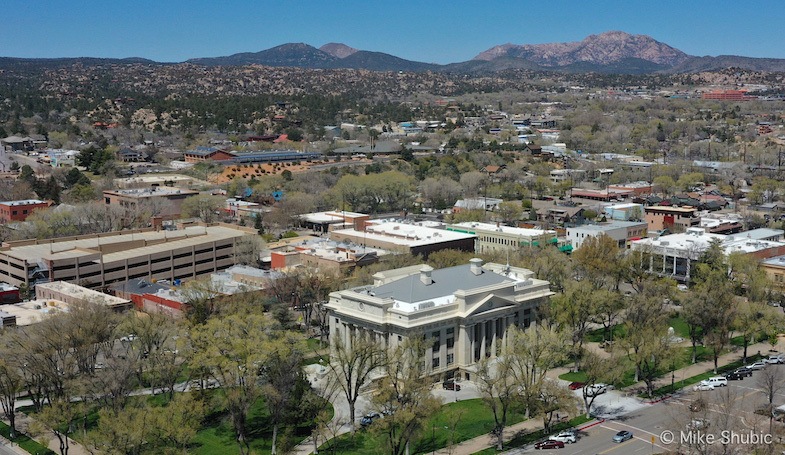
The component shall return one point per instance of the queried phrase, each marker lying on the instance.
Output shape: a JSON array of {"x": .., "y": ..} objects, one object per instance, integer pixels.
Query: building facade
[
  {"x": 463, "y": 311},
  {"x": 71, "y": 294},
  {"x": 495, "y": 237},
  {"x": 414, "y": 238},
  {"x": 170, "y": 199},
  {"x": 623, "y": 232},
  {"x": 96, "y": 261},
  {"x": 660, "y": 217},
  {"x": 20, "y": 210},
  {"x": 674, "y": 255}
]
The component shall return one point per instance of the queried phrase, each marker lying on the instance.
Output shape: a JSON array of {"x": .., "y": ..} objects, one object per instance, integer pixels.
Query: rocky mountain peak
[
  {"x": 338, "y": 50},
  {"x": 604, "y": 48}
]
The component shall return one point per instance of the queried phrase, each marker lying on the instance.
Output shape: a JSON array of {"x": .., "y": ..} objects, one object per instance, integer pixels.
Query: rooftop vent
[
  {"x": 425, "y": 275},
  {"x": 476, "y": 266}
]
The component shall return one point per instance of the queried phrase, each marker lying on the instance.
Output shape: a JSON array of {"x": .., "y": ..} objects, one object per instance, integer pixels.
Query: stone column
[
  {"x": 464, "y": 346},
  {"x": 482, "y": 339},
  {"x": 443, "y": 347},
  {"x": 494, "y": 336}
]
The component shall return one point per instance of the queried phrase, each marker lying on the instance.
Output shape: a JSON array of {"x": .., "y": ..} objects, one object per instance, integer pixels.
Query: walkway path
[{"x": 23, "y": 422}]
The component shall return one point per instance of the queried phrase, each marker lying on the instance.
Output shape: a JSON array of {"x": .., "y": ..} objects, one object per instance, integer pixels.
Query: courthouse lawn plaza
[{"x": 455, "y": 422}]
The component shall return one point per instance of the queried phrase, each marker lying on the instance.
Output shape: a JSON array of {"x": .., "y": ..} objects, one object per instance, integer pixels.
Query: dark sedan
[
  {"x": 550, "y": 444},
  {"x": 744, "y": 371}
]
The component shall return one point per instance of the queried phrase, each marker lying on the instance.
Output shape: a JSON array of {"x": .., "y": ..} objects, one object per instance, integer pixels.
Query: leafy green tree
[
  {"x": 75, "y": 177},
  {"x": 498, "y": 389},
  {"x": 81, "y": 193},
  {"x": 646, "y": 342},
  {"x": 11, "y": 384},
  {"x": 598, "y": 261},
  {"x": 202, "y": 206},
  {"x": 598, "y": 370},
  {"x": 351, "y": 365},
  {"x": 572, "y": 312},
  {"x": 510, "y": 212},
  {"x": 714, "y": 290},
  {"x": 533, "y": 352},
  {"x": 234, "y": 349},
  {"x": 404, "y": 397},
  {"x": 282, "y": 375},
  {"x": 294, "y": 134}
]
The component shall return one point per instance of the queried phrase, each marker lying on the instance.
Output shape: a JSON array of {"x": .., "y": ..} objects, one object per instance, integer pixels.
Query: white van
[{"x": 716, "y": 381}]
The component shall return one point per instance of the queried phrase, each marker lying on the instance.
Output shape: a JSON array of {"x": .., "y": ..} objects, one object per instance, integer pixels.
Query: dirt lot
[{"x": 246, "y": 171}]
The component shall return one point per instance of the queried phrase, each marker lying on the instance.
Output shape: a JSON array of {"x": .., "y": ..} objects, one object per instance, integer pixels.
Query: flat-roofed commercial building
[
  {"x": 673, "y": 255},
  {"x": 20, "y": 210},
  {"x": 406, "y": 237},
  {"x": 336, "y": 219},
  {"x": 99, "y": 260},
  {"x": 71, "y": 293},
  {"x": 622, "y": 232},
  {"x": 660, "y": 217},
  {"x": 169, "y": 198},
  {"x": 153, "y": 180},
  {"x": 496, "y": 237},
  {"x": 464, "y": 312}
]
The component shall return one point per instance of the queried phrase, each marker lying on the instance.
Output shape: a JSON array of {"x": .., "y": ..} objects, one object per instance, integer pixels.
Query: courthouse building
[{"x": 463, "y": 311}]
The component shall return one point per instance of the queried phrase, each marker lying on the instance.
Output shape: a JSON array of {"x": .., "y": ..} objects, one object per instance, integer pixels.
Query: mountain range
[{"x": 613, "y": 52}]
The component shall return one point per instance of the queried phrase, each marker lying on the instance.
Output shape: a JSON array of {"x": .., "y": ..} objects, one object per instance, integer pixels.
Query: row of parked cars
[
  {"x": 570, "y": 436},
  {"x": 738, "y": 374}
]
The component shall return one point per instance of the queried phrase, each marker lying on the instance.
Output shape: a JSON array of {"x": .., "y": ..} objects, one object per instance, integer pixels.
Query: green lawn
[
  {"x": 24, "y": 441},
  {"x": 455, "y": 422},
  {"x": 217, "y": 434},
  {"x": 598, "y": 336},
  {"x": 314, "y": 344}
]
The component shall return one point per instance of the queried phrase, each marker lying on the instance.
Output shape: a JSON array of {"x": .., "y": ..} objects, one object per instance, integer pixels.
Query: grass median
[
  {"x": 524, "y": 439},
  {"x": 24, "y": 441}
]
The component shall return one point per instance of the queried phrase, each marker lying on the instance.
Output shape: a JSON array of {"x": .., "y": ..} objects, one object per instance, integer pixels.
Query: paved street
[{"x": 727, "y": 409}]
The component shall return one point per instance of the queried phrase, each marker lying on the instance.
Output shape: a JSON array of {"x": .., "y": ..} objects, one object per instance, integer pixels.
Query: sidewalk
[
  {"x": 708, "y": 365},
  {"x": 23, "y": 422}
]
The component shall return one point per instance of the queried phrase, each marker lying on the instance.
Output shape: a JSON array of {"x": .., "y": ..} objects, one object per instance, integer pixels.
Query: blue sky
[{"x": 435, "y": 31}]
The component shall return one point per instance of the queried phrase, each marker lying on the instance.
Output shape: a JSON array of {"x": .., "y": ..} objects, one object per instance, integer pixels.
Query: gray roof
[
  {"x": 138, "y": 286},
  {"x": 444, "y": 283},
  {"x": 757, "y": 234}
]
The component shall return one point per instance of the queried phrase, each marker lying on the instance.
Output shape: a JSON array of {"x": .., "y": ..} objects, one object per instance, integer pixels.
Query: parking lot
[{"x": 736, "y": 413}]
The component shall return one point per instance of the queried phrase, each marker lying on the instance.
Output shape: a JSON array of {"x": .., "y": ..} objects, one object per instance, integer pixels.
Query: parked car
[
  {"x": 734, "y": 376},
  {"x": 370, "y": 418},
  {"x": 566, "y": 437},
  {"x": 451, "y": 385},
  {"x": 622, "y": 436},
  {"x": 775, "y": 359},
  {"x": 702, "y": 387},
  {"x": 596, "y": 389},
  {"x": 716, "y": 381},
  {"x": 549, "y": 444},
  {"x": 759, "y": 365},
  {"x": 576, "y": 385},
  {"x": 744, "y": 371}
]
